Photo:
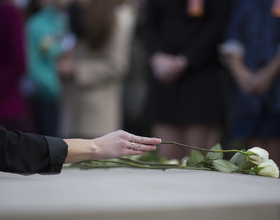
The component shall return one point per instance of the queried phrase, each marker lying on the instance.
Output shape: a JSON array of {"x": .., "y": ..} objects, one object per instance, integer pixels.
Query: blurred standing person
[
  {"x": 252, "y": 53},
  {"x": 93, "y": 96},
  {"x": 13, "y": 109},
  {"x": 187, "y": 100},
  {"x": 47, "y": 31}
]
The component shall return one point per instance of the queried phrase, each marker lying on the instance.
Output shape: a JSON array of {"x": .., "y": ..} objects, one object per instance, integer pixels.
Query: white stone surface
[{"x": 127, "y": 193}]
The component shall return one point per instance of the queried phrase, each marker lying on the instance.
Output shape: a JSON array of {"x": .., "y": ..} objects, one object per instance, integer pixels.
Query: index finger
[{"x": 146, "y": 140}]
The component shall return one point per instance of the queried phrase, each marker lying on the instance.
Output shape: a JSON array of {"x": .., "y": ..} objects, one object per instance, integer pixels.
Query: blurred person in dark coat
[{"x": 187, "y": 101}]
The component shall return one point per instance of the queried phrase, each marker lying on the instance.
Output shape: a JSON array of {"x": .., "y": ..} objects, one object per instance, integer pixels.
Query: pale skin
[{"x": 112, "y": 145}]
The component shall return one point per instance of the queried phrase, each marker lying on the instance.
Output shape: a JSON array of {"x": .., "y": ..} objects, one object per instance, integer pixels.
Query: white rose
[
  {"x": 173, "y": 162},
  {"x": 184, "y": 161},
  {"x": 261, "y": 155},
  {"x": 269, "y": 168}
]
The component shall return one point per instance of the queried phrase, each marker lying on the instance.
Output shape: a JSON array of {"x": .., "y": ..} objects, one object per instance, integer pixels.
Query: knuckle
[{"x": 122, "y": 134}]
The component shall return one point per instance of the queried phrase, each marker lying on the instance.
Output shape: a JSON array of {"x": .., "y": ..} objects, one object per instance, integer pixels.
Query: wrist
[
  {"x": 94, "y": 153},
  {"x": 80, "y": 150},
  {"x": 236, "y": 65}
]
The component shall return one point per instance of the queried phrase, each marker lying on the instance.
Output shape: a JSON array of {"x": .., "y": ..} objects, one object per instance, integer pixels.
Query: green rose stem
[
  {"x": 251, "y": 171},
  {"x": 146, "y": 163},
  {"x": 137, "y": 164},
  {"x": 164, "y": 166},
  {"x": 203, "y": 149}
]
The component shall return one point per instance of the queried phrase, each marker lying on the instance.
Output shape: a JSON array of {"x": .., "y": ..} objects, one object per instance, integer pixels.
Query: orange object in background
[
  {"x": 275, "y": 9},
  {"x": 195, "y": 8}
]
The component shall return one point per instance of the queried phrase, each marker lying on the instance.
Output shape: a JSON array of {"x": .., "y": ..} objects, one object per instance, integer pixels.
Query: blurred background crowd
[{"x": 197, "y": 72}]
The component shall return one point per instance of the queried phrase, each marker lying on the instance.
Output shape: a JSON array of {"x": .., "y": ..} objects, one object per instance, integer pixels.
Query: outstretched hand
[
  {"x": 121, "y": 143},
  {"x": 113, "y": 145}
]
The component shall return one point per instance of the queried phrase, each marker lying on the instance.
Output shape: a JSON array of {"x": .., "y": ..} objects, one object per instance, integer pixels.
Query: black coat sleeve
[{"x": 25, "y": 153}]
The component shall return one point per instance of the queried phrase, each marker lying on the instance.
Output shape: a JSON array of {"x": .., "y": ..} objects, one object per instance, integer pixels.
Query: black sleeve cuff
[{"x": 58, "y": 150}]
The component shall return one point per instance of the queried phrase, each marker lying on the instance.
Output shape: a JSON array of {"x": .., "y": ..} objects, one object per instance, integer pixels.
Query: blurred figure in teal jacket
[{"x": 47, "y": 41}]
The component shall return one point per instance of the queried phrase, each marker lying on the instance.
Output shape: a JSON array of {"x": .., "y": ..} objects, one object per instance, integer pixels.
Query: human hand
[
  {"x": 66, "y": 65},
  {"x": 264, "y": 81},
  {"x": 245, "y": 79},
  {"x": 121, "y": 143},
  {"x": 167, "y": 68}
]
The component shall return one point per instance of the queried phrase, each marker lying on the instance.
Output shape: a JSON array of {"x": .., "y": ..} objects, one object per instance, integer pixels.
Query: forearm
[
  {"x": 113, "y": 145},
  {"x": 267, "y": 74},
  {"x": 79, "y": 150},
  {"x": 235, "y": 63},
  {"x": 272, "y": 68}
]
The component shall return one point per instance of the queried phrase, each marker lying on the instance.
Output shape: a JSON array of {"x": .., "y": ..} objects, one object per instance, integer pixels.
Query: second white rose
[{"x": 269, "y": 168}]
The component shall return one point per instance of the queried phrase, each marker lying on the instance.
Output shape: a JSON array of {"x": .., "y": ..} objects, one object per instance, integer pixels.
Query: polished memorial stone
[{"x": 127, "y": 193}]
